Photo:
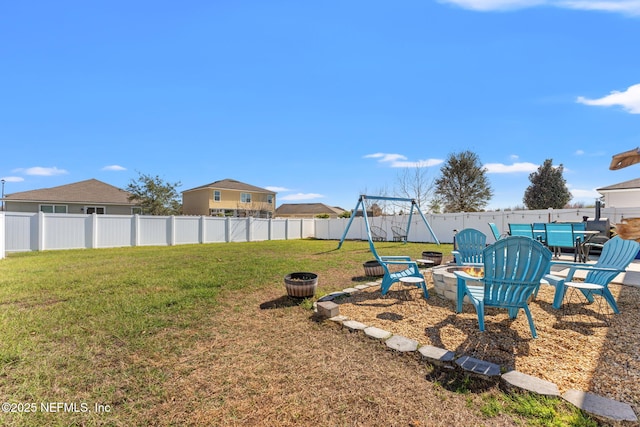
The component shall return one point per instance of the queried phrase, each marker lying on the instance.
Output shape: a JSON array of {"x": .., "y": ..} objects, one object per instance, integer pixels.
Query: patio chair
[
  {"x": 469, "y": 246},
  {"x": 496, "y": 233},
  {"x": 378, "y": 234},
  {"x": 408, "y": 267},
  {"x": 525, "y": 230},
  {"x": 513, "y": 268},
  {"x": 616, "y": 256},
  {"x": 539, "y": 232},
  {"x": 399, "y": 234},
  {"x": 559, "y": 236}
]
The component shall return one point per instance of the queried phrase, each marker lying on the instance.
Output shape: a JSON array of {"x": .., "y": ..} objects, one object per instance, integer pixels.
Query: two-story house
[
  {"x": 229, "y": 197},
  {"x": 83, "y": 197}
]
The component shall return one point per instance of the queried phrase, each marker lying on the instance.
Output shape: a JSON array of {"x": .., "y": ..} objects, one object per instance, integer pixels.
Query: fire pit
[{"x": 446, "y": 283}]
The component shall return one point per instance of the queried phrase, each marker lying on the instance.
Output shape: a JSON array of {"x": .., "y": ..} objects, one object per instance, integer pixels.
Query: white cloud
[
  {"x": 584, "y": 194},
  {"x": 276, "y": 189},
  {"x": 514, "y": 157},
  {"x": 114, "y": 168},
  {"x": 302, "y": 196},
  {"x": 514, "y": 168},
  {"x": 400, "y": 161},
  {"x": 12, "y": 179},
  {"x": 579, "y": 153},
  {"x": 40, "y": 171},
  {"x": 629, "y": 99},
  {"x": 627, "y": 7}
]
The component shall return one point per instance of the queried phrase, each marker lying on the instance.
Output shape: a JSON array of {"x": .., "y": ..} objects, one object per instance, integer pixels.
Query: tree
[
  {"x": 413, "y": 183},
  {"x": 548, "y": 188},
  {"x": 155, "y": 196},
  {"x": 463, "y": 185}
]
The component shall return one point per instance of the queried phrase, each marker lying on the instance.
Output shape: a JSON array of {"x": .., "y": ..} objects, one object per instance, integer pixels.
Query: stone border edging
[{"x": 601, "y": 407}]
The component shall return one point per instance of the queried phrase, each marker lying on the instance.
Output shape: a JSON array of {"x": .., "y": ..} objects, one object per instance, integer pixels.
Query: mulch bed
[{"x": 575, "y": 349}]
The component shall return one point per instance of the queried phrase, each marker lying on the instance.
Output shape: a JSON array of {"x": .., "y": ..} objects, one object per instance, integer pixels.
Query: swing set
[{"x": 411, "y": 267}]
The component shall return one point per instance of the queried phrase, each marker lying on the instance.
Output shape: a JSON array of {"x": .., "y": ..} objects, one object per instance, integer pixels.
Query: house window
[
  {"x": 245, "y": 197},
  {"x": 94, "y": 209},
  {"x": 216, "y": 196},
  {"x": 270, "y": 199},
  {"x": 53, "y": 208}
]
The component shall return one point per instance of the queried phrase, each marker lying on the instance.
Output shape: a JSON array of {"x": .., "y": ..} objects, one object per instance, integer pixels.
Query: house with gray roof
[
  {"x": 229, "y": 198},
  {"x": 84, "y": 197},
  {"x": 622, "y": 195},
  {"x": 307, "y": 210}
]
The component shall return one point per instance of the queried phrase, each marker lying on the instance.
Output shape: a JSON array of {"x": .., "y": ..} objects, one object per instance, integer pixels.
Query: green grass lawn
[{"x": 96, "y": 327}]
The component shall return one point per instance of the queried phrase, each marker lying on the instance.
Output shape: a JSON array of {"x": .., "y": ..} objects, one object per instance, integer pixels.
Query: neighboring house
[
  {"x": 307, "y": 210},
  {"x": 229, "y": 197},
  {"x": 623, "y": 195},
  {"x": 84, "y": 197}
]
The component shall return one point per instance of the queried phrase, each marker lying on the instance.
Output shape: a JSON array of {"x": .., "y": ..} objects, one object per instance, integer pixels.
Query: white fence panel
[
  {"x": 187, "y": 230},
  {"x": 237, "y": 229},
  {"x": 278, "y": 229},
  {"x": 260, "y": 229},
  {"x": 154, "y": 230},
  {"x": 21, "y": 231},
  {"x": 67, "y": 231},
  {"x": 115, "y": 231},
  {"x": 294, "y": 228},
  {"x": 308, "y": 228},
  {"x": 215, "y": 230}
]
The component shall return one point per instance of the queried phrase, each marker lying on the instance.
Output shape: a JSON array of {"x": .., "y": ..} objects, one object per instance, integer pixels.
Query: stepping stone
[
  {"x": 352, "y": 325},
  {"x": 400, "y": 343},
  {"x": 479, "y": 367},
  {"x": 361, "y": 287},
  {"x": 437, "y": 356},
  {"x": 332, "y": 296},
  {"x": 350, "y": 290},
  {"x": 530, "y": 383},
  {"x": 339, "y": 319},
  {"x": 377, "y": 333},
  {"x": 601, "y": 406}
]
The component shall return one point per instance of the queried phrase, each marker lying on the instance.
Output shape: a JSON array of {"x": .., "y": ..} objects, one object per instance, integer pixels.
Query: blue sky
[{"x": 320, "y": 101}]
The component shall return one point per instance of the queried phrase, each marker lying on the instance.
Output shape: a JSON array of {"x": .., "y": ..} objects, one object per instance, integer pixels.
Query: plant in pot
[
  {"x": 373, "y": 268},
  {"x": 301, "y": 284}
]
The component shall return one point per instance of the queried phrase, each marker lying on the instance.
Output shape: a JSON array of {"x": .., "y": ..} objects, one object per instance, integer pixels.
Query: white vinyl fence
[
  {"x": 21, "y": 232},
  {"x": 40, "y": 231}
]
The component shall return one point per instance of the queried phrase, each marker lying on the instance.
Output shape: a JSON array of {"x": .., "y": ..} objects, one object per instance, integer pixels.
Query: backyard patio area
[{"x": 575, "y": 349}]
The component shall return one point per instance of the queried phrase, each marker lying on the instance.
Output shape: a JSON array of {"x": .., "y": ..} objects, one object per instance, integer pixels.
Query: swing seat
[{"x": 399, "y": 234}]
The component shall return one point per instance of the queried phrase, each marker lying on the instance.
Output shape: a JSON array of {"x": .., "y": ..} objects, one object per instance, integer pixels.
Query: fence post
[
  {"x": 94, "y": 230},
  {"x": 136, "y": 230},
  {"x": 41, "y": 231},
  {"x": 227, "y": 229},
  {"x": 286, "y": 229},
  {"x": 249, "y": 225},
  {"x": 203, "y": 231},
  {"x": 172, "y": 230}
]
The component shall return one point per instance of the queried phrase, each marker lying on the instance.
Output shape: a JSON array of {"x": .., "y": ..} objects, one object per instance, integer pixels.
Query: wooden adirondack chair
[
  {"x": 616, "y": 256},
  {"x": 469, "y": 246},
  {"x": 513, "y": 267}
]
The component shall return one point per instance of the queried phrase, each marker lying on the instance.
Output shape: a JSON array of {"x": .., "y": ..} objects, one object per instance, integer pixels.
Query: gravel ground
[{"x": 576, "y": 348}]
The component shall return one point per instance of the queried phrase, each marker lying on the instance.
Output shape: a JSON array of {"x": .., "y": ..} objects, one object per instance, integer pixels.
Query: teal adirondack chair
[
  {"x": 616, "y": 256},
  {"x": 560, "y": 235},
  {"x": 513, "y": 267},
  {"x": 469, "y": 246},
  {"x": 390, "y": 277}
]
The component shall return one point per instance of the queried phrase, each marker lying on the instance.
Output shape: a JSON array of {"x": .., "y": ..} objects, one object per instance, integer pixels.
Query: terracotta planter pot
[
  {"x": 301, "y": 284},
  {"x": 373, "y": 268}
]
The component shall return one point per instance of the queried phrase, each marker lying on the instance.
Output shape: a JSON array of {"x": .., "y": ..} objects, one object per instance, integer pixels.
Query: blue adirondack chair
[
  {"x": 616, "y": 256},
  {"x": 525, "y": 230},
  {"x": 390, "y": 277},
  {"x": 513, "y": 267},
  {"x": 469, "y": 246}
]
